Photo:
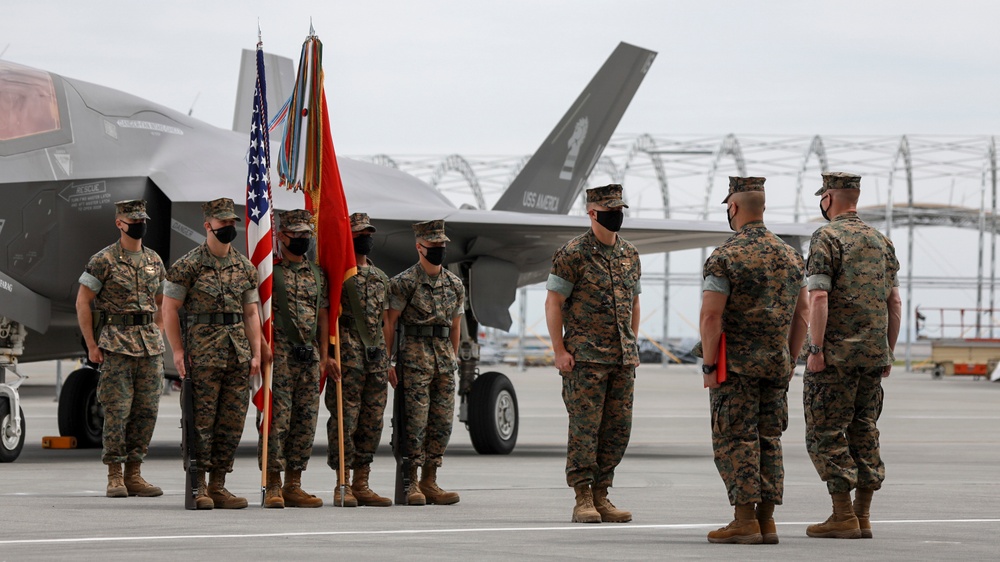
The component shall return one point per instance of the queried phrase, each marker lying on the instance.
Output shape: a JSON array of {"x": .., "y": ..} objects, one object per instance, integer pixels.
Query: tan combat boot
[
  {"x": 349, "y": 499},
  {"x": 862, "y": 508},
  {"x": 433, "y": 492},
  {"x": 137, "y": 485},
  {"x": 609, "y": 513},
  {"x": 272, "y": 491},
  {"x": 744, "y": 528},
  {"x": 201, "y": 500},
  {"x": 363, "y": 493},
  {"x": 293, "y": 493},
  {"x": 116, "y": 486},
  {"x": 765, "y": 517},
  {"x": 414, "y": 496},
  {"x": 842, "y": 524},
  {"x": 221, "y": 497},
  {"x": 584, "y": 510}
]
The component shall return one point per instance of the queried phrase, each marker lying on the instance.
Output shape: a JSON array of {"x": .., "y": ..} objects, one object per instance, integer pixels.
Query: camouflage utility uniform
[
  {"x": 295, "y": 384},
  {"x": 428, "y": 361},
  {"x": 126, "y": 284},
  {"x": 600, "y": 284},
  {"x": 364, "y": 381},
  {"x": 857, "y": 266},
  {"x": 762, "y": 277},
  {"x": 213, "y": 292}
]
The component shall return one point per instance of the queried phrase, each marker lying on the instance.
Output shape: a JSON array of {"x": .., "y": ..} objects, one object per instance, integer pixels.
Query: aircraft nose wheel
[
  {"x": 80, "y": 412},
  {"x": 11, "y": 441},
  {"x": 493, "y": 418}
]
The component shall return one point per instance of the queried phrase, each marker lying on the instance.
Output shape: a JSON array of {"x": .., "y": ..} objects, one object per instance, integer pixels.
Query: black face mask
[
  {"x": 298, "y": 246},
  {"x": 825, "y": 212},
  {"x": 225, "y": 234},
  {"x": 730, "y": 219},
  {"x": 435, "y": 254},
  {"x": 363, "y": 245},
  {"x": 611, "y": 220},
  {"x": 135, "y": 230}
]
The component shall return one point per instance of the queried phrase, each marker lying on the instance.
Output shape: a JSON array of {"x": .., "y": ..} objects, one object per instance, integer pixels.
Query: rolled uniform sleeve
[
  {"x": 251, "y": 296},
  {"x": 95, "y": 273},
  {"x": 460, "y": 301},
  {"x": 564, "y": 275},
  {"x": 559, "y": 285},
  {"x": 399, "y": 293},
  {"x": 716, "y": 274},
  {"x": 91, "y": 282},
  {"x": 820, "y": 267}
]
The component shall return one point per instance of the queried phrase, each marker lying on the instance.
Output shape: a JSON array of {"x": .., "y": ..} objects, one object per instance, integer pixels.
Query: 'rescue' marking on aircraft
[
  {"x": 186, "y": 231},
  {"x": 594, "y": 528}
]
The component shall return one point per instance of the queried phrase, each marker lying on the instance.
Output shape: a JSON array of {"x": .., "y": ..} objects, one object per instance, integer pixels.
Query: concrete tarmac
[{"x": 941, "y": 499}]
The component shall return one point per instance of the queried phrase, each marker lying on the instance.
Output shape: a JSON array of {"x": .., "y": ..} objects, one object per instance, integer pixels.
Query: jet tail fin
[
  {"x": 280, "y": 75},
  {"x": 551, "y": 180}
]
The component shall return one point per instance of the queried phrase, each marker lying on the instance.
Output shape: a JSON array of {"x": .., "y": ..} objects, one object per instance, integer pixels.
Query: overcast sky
[{"x": 478, "y": 77}]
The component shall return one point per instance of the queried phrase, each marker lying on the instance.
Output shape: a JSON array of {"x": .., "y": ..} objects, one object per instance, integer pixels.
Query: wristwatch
[
  {"x": 815, "y": 349},
  {"x": 707, "y": 369}
]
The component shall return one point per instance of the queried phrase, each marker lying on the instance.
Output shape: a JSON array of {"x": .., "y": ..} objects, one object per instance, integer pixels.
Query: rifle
[
  {"x": 188, "y": 436},
  {"x": 398, "y": 440}
]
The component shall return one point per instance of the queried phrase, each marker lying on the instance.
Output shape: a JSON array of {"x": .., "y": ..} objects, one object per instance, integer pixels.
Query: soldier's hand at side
[
  {"x": 392, "y": 376},
  {"x": 95, "y": 355},
  {"x": 255, "y": 365},
  {"x": 332, "y": 369},
  {"x": 179, "y": 363},
  {"x": 711, "y": 380},
  {"x": 885, "y": 373},
  {"x": 266, "y": 356},
  {"x": 565, "y": 361},
  {"x": 816, "y": 363}
]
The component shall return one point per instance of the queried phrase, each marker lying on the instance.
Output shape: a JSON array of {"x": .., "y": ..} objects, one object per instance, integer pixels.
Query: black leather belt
[
  {"x": 346, "y": 321},
  {"x": 217, "y": 318},
  {"x": 427, "y": 331},
  {"x": 140, "y": 319}
]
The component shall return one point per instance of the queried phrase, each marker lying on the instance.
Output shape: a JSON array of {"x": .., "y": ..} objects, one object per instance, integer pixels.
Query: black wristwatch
[
  {"x": 707, "y": 369},
  {"x": 815, "y": 349}
]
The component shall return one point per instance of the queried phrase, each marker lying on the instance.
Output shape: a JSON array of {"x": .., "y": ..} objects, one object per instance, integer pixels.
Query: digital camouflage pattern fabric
[
  {"x": 363, "y": 382},
  {"x": 133, "y": 209},
  {"x": 222, "y": 209},
  {"x": 741, "y": 185},
  {"x": 600, "y": 284},
  {"x": 842, "y": 406},
  {"x": 124, "y": 286},
  {"x": 749, "y": 414},
  {"x": 206, "y": 284},
  {"x": 609, "y": 196},
  {"x": 839, "y": 180},
  {"x": 129, "y": 390},
  {"x": 762, "y": 276},
  {"x": 431, "y": 231},
  {"x": 294, "y": 384},
  {"x": 428, "y": 363},
  {"x": 219, "y": 353},
  {"x": 857, "y": 266},
  {"x": 132, "y": 373},
  {"x": 598, "y": 399}
]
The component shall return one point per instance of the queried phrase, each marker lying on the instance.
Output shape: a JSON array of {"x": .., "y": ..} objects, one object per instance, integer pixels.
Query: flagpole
[
  {"x": 266, "y": 372},
  {"x": 340, "y": 419}
]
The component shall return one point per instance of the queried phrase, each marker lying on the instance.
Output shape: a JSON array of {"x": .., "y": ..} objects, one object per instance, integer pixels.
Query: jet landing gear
[
  {"x": 489, "y": 404},
  {"x": 80, "y": 412},
  {"x": 11, "y": 416}
]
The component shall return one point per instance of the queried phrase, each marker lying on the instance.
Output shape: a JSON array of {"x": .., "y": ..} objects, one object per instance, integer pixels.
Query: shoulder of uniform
[
  {"x": 452, "y": 276},
  {"x": 379, "y": 273}
]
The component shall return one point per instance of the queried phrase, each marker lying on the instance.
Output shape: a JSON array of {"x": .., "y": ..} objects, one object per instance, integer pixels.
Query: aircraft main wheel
[
  {"x": 493, "y": 417},
  {"x": 10, "y": 442},
  {"x": 80, "y": 413}
]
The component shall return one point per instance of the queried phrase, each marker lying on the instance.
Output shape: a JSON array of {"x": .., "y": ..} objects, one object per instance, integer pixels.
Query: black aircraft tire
[
  {"x": 9, "y": 449},
  {"x": 493, "y": 415},
  {"x": 80, "y": 413}
]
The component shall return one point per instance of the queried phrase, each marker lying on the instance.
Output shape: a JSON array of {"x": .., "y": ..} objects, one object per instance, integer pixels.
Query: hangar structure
[{"x": 908, "y": 181}]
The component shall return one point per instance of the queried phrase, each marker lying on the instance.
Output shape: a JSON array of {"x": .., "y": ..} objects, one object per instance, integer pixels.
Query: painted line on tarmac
[{"x": 578, "y": 527}]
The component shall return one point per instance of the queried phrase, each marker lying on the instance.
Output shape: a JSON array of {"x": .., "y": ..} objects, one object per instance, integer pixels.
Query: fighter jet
[{"x": 69, "y": 149}]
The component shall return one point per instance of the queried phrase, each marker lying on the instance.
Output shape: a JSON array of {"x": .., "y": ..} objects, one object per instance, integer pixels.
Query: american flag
[{"x": 260, "y": 234}]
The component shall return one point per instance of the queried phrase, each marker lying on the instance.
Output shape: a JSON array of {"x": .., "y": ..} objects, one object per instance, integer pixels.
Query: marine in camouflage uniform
[
  {"x": 429, "y": 301},
  {"x": 217, "y": 287},
  {"x": 754, "y": 293},
  {"x": 300, "y": 355},
  {"x": 855, "y": 313},
  {"x": 592, "y": 313},
  {"x": 364, "y": 373},
  {"x": 124, "y": 282}
]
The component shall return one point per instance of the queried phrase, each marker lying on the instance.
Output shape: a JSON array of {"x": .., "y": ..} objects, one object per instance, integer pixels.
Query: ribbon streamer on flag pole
[
  {"x": 308, "y": 162},
  {"x": 260, "y": 245}
]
